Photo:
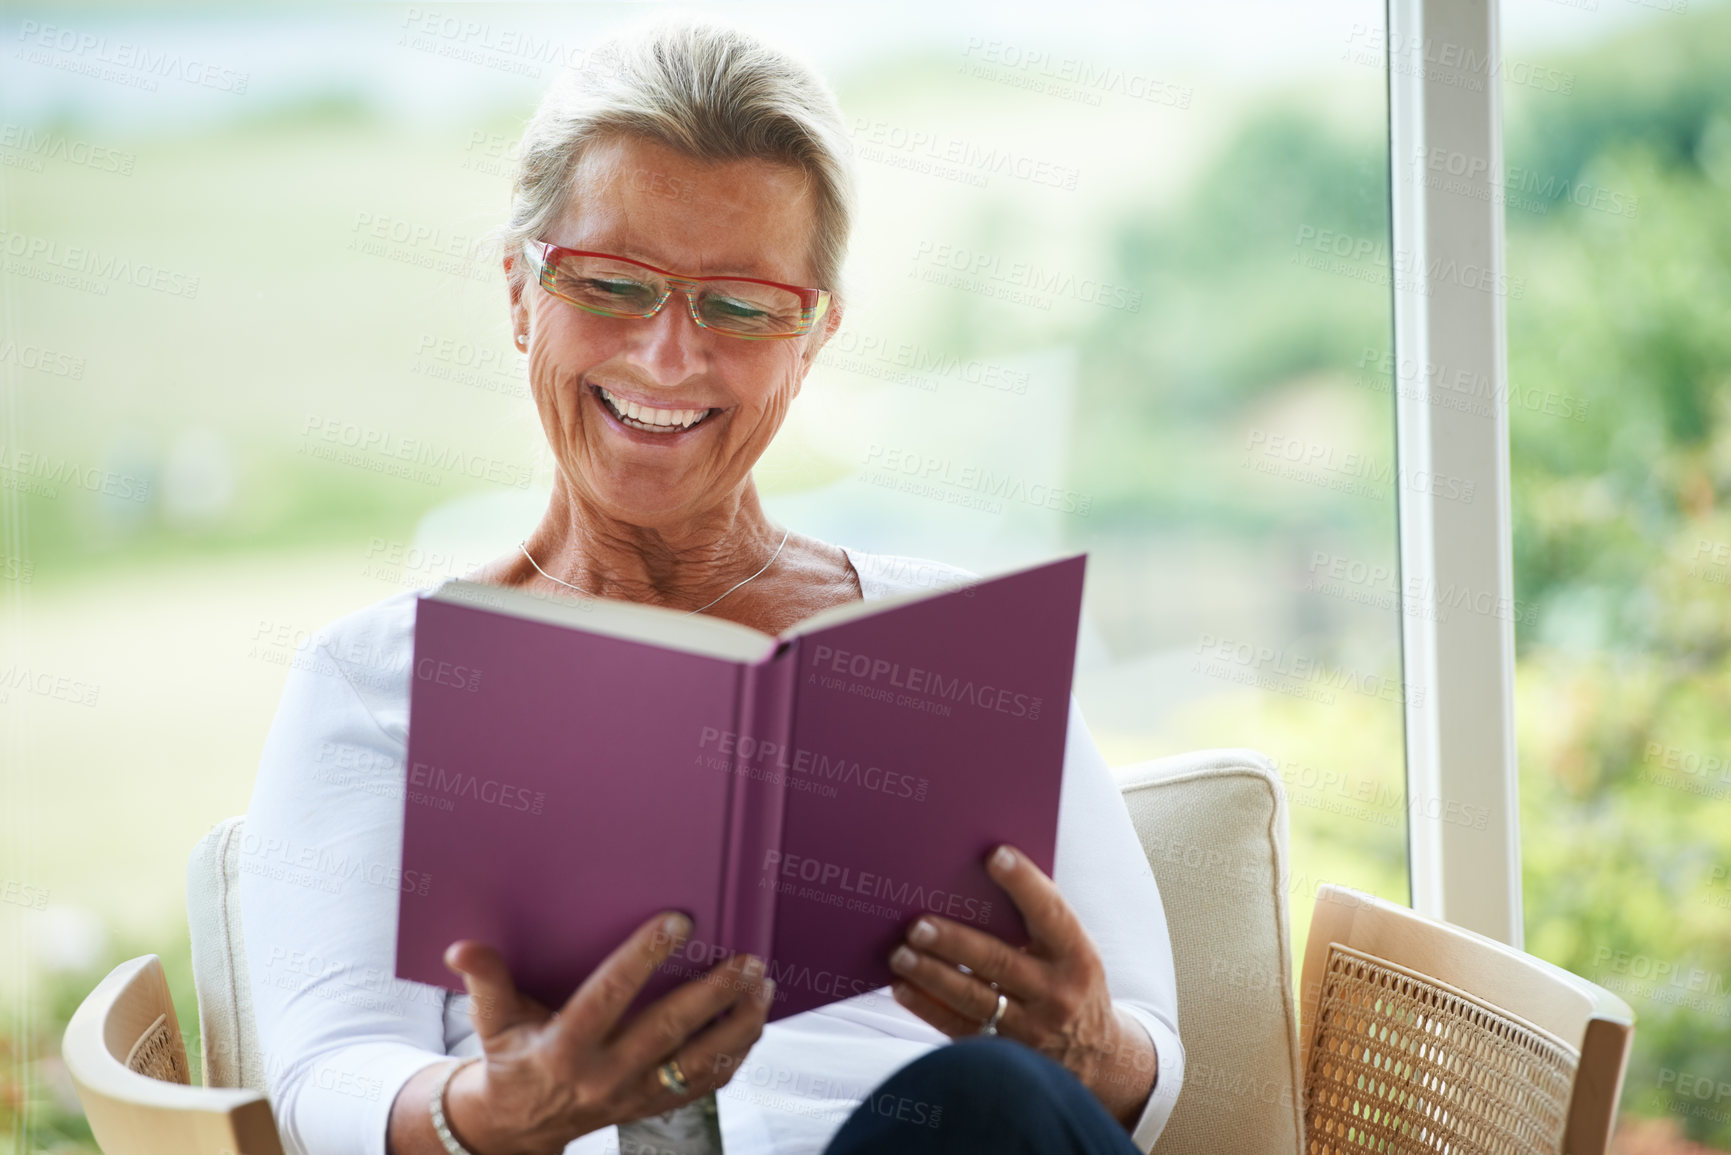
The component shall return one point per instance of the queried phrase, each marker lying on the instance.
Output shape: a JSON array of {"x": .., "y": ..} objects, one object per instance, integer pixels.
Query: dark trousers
[{"x": 981, "y": 1095}]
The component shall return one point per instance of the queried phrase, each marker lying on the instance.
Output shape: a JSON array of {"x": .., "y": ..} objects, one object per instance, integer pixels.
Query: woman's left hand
[{"x": 1056, "y": 987}]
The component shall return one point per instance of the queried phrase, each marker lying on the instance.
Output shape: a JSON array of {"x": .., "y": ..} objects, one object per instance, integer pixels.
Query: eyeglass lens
[{"x": 617, "y": 289}]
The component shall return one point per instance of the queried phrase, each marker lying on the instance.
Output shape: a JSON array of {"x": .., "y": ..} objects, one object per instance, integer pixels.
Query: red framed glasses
[{"x": 614, "y": 286}]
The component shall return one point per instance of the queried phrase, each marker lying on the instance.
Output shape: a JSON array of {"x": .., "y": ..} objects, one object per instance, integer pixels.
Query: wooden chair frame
[
  {"x": 1592, "y": 1024},
  {"x": 124, "y": 1051}
]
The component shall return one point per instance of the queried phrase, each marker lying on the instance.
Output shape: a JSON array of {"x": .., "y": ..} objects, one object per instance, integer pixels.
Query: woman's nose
[{"x": 671, "y": 347}]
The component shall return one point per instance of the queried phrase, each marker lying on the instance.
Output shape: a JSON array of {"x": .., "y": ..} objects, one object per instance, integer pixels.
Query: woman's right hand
[{"x": 548, "y": 1078}]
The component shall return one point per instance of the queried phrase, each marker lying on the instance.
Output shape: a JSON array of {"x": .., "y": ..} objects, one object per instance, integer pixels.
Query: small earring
[{"x": 523, "y": 340}]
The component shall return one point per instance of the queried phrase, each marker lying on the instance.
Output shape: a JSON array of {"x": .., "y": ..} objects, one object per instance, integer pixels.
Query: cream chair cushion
[
  {"x": 228, "y": 1037},
  {"x": 1213, "y": 824}
]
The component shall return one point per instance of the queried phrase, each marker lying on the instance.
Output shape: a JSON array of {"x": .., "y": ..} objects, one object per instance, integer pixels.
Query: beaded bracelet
[{"x": 436, "y": 1105}]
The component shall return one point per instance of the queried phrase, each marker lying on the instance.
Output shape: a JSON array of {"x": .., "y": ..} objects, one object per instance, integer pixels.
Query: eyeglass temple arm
[{"x": 536, "y": 252}]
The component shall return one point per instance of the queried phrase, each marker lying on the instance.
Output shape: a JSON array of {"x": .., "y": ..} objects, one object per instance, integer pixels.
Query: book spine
[{"x": 757, "y": 802}]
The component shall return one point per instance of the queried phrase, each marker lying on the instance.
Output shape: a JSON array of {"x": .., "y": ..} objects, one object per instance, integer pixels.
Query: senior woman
[{"x": 678, "y": 223}]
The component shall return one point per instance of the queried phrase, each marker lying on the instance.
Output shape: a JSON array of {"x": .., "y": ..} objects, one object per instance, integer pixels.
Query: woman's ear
[
  {"x": 519, "y": 302},
  {"x": 818, "y": 338}
]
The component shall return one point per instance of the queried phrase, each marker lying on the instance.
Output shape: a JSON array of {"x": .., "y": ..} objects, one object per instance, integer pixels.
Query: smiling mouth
[{"x": 641, "y": 417}]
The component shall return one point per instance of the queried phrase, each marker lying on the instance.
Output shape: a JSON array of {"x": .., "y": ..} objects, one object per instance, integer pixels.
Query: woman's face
[{"x": 637, "y": 199}]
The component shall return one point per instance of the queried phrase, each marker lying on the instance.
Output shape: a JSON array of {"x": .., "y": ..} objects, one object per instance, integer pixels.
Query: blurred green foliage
[{"x": 1622, "y": 543}]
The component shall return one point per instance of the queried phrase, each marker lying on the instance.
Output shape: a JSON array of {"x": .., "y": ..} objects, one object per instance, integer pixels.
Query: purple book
[{"x": 576, "y": 765}]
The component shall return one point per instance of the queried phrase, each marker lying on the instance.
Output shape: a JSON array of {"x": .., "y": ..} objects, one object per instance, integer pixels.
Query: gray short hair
[{"x": 709, "y": 92}]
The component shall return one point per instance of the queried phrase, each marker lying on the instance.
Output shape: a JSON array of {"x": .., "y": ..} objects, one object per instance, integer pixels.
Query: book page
[
  {"x": 670, "y": 629},
  {"x": 852, "y": 611}
]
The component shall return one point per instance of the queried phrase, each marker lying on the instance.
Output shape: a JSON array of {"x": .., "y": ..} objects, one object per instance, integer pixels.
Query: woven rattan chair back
[
  {"x": 127, "y": 1060},
  {"x": 1421, "y": 1037}
]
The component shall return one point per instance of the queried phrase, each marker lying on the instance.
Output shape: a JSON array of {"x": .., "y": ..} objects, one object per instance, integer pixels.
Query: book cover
[{"x": 575, "y": 766}]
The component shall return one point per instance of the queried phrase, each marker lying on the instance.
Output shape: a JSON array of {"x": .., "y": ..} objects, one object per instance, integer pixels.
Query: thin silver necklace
[{"x": 524, "y": 546}]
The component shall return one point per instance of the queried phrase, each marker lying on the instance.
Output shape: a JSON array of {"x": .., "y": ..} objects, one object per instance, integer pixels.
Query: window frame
[{"x": 1463, "y": 814}]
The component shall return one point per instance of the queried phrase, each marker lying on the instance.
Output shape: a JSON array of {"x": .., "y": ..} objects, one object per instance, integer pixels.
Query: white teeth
[{"x": 643, "y": 416}]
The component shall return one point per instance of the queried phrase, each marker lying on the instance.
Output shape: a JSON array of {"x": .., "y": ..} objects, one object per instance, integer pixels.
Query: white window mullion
[{"x": 1453, "y": 451}]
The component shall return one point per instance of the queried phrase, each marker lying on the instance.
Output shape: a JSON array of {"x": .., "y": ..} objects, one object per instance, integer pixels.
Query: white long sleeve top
[{"x": 320, "y": 860}]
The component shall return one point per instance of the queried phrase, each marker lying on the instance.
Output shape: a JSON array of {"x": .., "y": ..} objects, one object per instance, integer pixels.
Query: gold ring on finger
[{"x": 673, "y": 1078}]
